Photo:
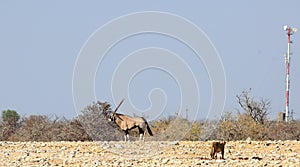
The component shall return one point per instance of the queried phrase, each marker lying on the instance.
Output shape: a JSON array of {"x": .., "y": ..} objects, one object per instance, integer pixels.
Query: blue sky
[{"x": 40, "y": 42}]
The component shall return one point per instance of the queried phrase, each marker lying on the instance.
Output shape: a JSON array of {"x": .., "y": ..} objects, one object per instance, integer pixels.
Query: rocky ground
[{"x": 149, "y": 153}]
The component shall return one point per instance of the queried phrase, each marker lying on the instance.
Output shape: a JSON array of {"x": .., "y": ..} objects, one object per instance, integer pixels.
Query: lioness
[{"x": 217, "y": 147}]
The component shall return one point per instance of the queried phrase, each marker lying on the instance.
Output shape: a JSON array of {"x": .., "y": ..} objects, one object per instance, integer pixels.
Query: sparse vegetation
[
  {"x": 95, "y": 122},
  {"x": 92, "y": 124},
  {"x": 10, "y": 123}
]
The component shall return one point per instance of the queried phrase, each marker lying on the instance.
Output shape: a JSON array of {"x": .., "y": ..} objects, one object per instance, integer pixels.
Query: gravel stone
[{"x": 149, "y": 153}]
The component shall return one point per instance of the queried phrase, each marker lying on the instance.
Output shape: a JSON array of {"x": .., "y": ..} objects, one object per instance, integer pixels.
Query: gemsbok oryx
[{"x": 127, "y": 123}]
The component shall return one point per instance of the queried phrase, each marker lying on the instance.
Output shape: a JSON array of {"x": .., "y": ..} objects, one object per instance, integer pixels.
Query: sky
[{"x": 41, "y": 42}]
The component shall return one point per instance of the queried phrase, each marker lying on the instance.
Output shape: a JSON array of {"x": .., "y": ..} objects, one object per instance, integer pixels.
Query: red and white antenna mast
[{"x": 290, "y": 31}]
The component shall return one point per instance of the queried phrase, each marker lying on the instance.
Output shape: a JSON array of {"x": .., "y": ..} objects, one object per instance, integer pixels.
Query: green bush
[
  {"x": 10, "y": 116},
  {"x": 9, "y": 124}
]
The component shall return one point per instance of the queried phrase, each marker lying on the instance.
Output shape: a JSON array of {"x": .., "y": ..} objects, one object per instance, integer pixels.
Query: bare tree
[{"x": 257, "y": 110}]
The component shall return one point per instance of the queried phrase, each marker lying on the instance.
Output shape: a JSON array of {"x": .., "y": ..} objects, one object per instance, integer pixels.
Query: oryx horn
[{"x": 118, "y": 106}]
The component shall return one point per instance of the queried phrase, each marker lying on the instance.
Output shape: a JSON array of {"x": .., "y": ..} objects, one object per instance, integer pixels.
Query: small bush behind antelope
[{"x": 95, "y": 122}]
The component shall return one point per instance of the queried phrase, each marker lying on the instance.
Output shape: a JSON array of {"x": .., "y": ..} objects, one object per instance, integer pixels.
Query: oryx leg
[
  {"x": 142, "y": 134},
  {"x": 126, "y": 135},
  {"x": 141, "y": 137}
]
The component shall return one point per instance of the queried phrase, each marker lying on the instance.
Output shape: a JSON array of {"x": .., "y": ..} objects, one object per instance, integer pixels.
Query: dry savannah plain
[{"x": 149, "y": 153}]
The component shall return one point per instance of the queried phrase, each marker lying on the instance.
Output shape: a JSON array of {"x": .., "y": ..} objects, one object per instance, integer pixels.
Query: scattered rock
[
  {"x": 258, "y": 158},
  {"x": 267, "y": 144},
  {"x": 165, "y": 161},
  {"x": 248, "y": 140},
  {"x": 174, "y": 143},
  {"x": 149, "y": 153}
]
